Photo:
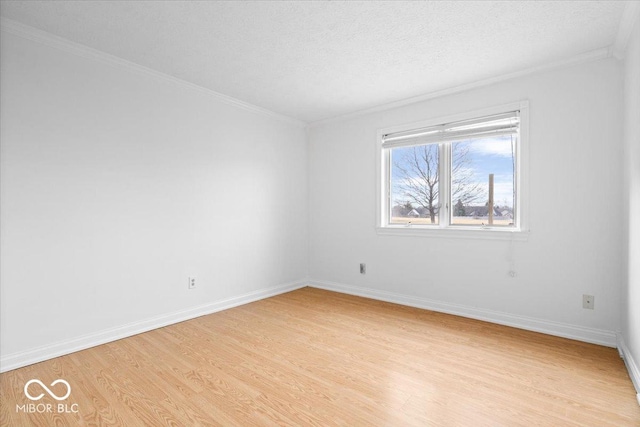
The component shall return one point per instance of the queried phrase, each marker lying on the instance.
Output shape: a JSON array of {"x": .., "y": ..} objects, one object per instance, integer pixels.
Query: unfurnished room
[{"x": 319, "y": 213}]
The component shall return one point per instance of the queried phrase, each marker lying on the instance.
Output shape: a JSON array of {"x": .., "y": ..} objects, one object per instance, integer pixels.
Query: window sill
[{"x": 454, "y": 233}]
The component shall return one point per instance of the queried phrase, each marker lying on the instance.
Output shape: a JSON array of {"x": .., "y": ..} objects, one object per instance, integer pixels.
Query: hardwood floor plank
[{"x": 318, "y": 358}]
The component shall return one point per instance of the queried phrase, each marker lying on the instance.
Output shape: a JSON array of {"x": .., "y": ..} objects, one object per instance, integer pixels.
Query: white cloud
[
  {"x": 502, "y": 192},
  {"x": 499, "y": 146}
]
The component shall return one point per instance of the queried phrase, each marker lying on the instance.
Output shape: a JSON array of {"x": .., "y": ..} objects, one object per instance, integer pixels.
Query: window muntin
[{"x": 442, "y": 176}]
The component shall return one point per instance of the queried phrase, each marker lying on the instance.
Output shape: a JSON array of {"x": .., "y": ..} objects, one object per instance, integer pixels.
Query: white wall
[
  {"x": 117, "y": 185},
  {"x": 575, "y": 198},
  {"x": 631, "y": 288}
]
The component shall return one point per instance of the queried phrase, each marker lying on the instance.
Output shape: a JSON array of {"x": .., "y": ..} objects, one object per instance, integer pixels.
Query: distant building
[{"x": 483, "y": 212}]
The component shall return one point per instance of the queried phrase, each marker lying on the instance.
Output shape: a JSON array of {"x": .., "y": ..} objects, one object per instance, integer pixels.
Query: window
[{"x": 464, "y": 173}]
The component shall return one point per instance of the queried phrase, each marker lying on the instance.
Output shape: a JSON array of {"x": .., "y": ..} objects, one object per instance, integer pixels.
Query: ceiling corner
[{"x": 630, "y": 17}]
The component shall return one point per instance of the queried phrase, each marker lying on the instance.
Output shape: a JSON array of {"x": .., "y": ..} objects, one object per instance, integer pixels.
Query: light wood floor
[{"x": 313, "y": 357}]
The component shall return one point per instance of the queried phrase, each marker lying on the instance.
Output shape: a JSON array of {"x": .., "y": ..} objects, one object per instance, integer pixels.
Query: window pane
[
  {"x": 414, "y": 185},
  {"x": 472, "y": 163}
]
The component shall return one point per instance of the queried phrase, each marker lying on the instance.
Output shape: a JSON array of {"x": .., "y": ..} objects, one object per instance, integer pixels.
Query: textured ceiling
[{"x": 316, "y": 60}]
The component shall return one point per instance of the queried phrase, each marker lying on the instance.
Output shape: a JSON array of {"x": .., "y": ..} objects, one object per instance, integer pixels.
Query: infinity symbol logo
[{"x": 52, "y": 394}]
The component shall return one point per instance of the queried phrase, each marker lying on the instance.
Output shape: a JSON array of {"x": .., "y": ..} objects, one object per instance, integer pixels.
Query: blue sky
[
  {"x": 493, "y": 155},
  {"x": 486, "y": 155}
]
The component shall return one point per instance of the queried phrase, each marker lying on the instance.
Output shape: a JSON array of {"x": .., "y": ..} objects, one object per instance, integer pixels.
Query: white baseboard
[
  {"x": 632, "y": 365},
  {"x": 580, "y": 333},
  {"x": 17, "y": 360}
]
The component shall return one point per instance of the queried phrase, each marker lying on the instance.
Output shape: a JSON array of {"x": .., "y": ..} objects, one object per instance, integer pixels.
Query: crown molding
[
  {"x": 51, "y": 40},
  {"x": 593, "y": 55},
  {"x": 629, "y": 18}
]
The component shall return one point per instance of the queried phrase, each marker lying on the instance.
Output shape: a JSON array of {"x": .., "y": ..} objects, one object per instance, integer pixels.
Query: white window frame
[{"x": 443, "y": 229}]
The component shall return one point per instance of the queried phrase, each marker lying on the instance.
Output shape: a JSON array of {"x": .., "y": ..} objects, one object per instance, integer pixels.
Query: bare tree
[
  {"x": 463, "y": 185},
  {"x": 419, "y": 177}
]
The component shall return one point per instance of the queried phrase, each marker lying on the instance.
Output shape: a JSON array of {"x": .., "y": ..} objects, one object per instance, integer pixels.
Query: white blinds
[{"x": 495, "y": 125}]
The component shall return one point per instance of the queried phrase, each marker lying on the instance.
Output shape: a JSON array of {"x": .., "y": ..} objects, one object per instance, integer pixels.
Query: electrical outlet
[
  {"x": 363, "y": 268},
  {"x": 587, "y": 301},
  {"x": 192, "y": 282}
]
